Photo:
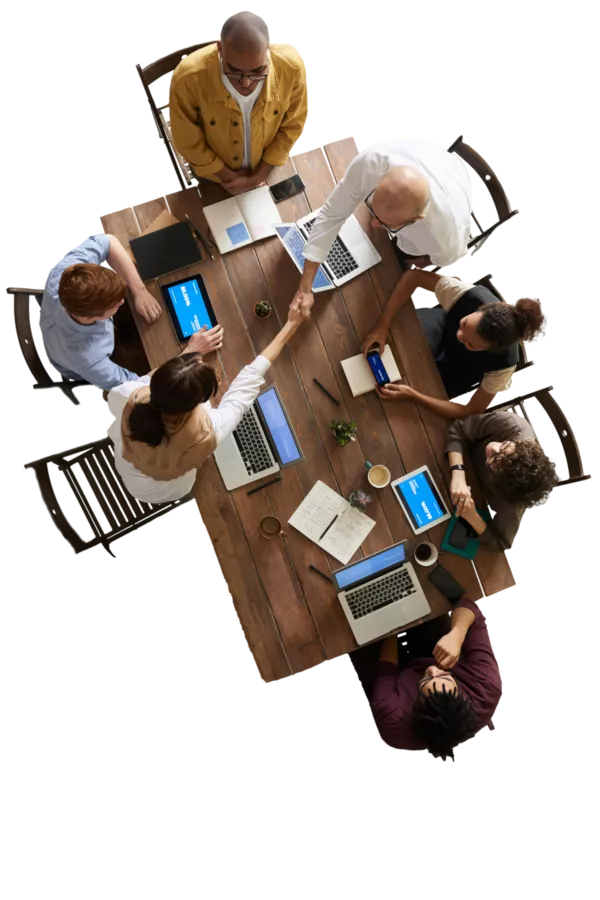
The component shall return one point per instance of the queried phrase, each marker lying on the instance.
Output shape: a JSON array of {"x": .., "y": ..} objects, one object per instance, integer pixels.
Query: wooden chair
[
  {"x": 492, "y": 183},
  {"x": 25, "y": 337},
  {"x": 90, "y": 471},
  {"x": 558, "y": 419},
  {"x": 148, "y": 76},
  {"x": 523, "y": 362}
]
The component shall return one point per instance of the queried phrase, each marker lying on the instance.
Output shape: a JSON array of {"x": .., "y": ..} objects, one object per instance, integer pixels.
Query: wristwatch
[{"x": 457, "y": 468}]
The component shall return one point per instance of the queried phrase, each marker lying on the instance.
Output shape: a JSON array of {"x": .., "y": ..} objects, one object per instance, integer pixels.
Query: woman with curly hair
[{"x": 512, "y": 468}]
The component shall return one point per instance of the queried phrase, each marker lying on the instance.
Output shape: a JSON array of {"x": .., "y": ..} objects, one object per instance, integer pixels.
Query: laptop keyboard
[
  {"x": 252, "y": 445},
  {"x": 367, "y": 599},
  {"x": 339, "y": 259}
]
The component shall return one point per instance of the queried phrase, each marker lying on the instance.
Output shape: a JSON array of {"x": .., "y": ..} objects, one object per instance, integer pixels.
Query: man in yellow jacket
[{"x": 237, "y": 107}]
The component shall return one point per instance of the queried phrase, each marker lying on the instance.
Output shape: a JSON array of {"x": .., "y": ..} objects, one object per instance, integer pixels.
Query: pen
[
  {"x": 325, "y": 391},
  {"x": 266, "y": 484},
  {"x": 200, "y": 236},
  {"x": 328, "y": 527},
  {"x": 318, "y": 571}
]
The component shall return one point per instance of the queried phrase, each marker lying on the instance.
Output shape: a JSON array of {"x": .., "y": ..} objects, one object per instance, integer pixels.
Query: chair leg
[{"x": 58, "y": 517}]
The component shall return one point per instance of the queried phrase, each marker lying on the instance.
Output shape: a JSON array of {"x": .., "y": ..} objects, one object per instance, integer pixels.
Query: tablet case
[
  {"x": 472, "y": 543},
  {"x": 165, "y": 250}
]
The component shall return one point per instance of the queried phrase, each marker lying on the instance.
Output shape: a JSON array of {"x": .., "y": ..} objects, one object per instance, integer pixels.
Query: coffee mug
[
  {"x": 379, "y": 476},
  {"x": 425, "y": 553},
  {"x": 270, "y": 527}
]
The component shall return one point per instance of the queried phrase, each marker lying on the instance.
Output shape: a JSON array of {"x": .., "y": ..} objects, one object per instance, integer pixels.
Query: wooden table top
[{"x": 290, "y": 616}]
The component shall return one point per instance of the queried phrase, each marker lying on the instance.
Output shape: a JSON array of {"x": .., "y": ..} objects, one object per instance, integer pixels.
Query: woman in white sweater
[{"x": 165, "y": 426}]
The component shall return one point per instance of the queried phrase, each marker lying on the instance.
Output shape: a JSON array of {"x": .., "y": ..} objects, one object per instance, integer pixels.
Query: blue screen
[
  {"x": 189, "y": 306},
  {"x": 393, "y": 556},
  {"x": 377, "y": 368},
  {"x": 294, "y": 241},
  {"x": 276, "y": 422},
  {"x": 421, "y": 500}
]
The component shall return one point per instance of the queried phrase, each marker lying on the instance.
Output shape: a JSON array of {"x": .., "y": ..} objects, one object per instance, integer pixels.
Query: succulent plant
[
  {"x": 344, "y": 431},
  {"x": 262, "y": 309}
]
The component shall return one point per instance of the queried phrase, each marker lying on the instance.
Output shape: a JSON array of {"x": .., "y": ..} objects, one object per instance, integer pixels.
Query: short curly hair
[
  {"x": 442, "y": 719},
  {"x": 526, "y": 475},
  {"x": 502, "y": 325},
  {"x": 88, "y": 290}
]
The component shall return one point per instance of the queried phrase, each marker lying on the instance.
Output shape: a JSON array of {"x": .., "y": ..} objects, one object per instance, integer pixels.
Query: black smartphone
[
  {"x": 446, "y": 583},
  {"x": 283, "y": 190},
  {"x": 459, "y": 537},
  {"x": 377, "y": 368}
]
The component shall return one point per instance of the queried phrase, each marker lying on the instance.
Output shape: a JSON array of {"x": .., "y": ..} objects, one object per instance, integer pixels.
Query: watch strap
[{"x": 457, "y": 468}]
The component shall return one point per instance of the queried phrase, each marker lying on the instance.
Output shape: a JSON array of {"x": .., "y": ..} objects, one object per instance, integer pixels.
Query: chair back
[{"x": 523, "y": 362}]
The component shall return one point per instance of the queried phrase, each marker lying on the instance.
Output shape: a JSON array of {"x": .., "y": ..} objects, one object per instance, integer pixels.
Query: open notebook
[
  {"x": 359, "y": 375},
  {"x": 241, "y": 220},
  {"x": 319, "y": 509}
]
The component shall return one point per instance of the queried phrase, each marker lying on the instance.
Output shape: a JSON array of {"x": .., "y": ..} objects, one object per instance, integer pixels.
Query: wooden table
[{"x": 291, "y": 617}]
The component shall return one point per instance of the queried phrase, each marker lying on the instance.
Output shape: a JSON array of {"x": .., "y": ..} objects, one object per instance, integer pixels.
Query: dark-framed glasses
[
  {"x": 499, "y": 454},
  {"x": 429, "y": 678},
  {"x": 391, "y": 231},
  {"x": 240, "y": 76}
]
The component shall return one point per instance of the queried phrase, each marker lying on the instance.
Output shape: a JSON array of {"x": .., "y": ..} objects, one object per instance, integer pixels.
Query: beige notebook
[
  {"x": 239, "y": 221},
  {"x": 359, "y": 375},
  {"x": 329, "y": 520}
]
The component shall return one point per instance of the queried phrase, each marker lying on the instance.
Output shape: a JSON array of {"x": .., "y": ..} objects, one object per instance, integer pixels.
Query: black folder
[{"x": 164, "y": 251}]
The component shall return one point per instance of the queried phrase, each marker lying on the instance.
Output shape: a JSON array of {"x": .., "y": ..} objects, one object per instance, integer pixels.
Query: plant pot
[{"x": 266, "y": 313}]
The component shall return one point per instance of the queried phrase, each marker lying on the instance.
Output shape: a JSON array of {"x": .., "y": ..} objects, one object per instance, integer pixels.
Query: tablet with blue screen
[
  {"x": 189, "y": 306},
  {"x": 420, "y": 499}
]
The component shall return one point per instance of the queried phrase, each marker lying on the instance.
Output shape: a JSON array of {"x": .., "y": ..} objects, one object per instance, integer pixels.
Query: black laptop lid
[{"x": 164, "y": 251}]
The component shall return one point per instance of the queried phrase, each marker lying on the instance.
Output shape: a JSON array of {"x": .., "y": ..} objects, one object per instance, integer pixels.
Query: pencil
[
  {"x": 325, "y": 391},
  {"x": 318, "y": 571},
  {"x": 266, "y": 484},
  {"x": 328, "y": 527}
]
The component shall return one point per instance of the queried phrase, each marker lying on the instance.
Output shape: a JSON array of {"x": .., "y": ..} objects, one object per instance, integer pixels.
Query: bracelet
[{"x": 457, "y": 468}]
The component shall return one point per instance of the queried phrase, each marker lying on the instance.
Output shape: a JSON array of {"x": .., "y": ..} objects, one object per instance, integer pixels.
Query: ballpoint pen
[
  {"x": 266, "y": 484},
  {"x": 325, "y": 391}
]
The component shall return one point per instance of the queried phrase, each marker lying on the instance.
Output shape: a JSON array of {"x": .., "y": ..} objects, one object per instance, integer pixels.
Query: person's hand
[
  {"x": 295, "y": 313},
  {"x": 376, "y": 337},
  {"x": 206, "y": 340},
  {"x": 238, "y": 185},
  {"x": 459, "y": 489},
  {"x": 146, "y": 305},
  {"x": 467, "y": 509},
  {"x": 305, "y": 299},
  {"x": 395, "y": 392},
  {"x": 447, "y": 650}
]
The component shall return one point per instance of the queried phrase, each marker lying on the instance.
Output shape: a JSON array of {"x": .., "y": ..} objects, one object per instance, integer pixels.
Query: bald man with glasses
[{"x": 415, "y": 190}]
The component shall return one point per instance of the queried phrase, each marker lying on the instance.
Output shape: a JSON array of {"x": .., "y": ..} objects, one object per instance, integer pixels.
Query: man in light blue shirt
[{"x": 80, "y": 299}]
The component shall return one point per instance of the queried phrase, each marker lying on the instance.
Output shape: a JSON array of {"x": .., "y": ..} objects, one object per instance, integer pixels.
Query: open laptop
[
  {"x": 351, "y": 254},
  {"x": 380, "y": 594},
  {"x": 263, "y": 443}
]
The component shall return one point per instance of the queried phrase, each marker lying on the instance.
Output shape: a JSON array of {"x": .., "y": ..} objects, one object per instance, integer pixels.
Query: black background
[{"x": 131, "y": 691}]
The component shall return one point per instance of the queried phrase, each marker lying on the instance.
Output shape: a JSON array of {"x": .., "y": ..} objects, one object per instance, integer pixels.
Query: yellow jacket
[{"x": 207, "y": 124}]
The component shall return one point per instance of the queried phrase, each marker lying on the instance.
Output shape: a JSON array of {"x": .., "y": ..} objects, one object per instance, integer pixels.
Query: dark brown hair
[
  {"x": 526, "y": 475},
  {"x": 89, "y": 290},
  {"x": 176, "y": 388},
  {"x": 443, "y": 719},
  {"x": 502, "y": 324}
]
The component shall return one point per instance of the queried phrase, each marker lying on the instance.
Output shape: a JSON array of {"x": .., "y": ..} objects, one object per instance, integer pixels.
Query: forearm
[
  {"x": 262, "y": 170},
  {"x": 455, "y": 458},
  {"x": 308, "y": 275},
  {"x": 119, "y": 260},
  {"x": 278, "y": 343},
  {"x": 461, "y": 620},
  {"x": 389, "y": 650},
  {"x": 399, "y": 296},
  {"x": 446, "y": 408}
]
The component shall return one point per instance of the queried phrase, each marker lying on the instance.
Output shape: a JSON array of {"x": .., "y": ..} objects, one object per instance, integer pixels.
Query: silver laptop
[
  {"x": 351, "y": 254},
  {"x": 380, "y": 594},
  {"x": 263, "y": 443}
]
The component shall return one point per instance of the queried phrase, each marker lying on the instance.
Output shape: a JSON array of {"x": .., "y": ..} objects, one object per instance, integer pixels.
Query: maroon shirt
[{"x": 395, "y": 691}]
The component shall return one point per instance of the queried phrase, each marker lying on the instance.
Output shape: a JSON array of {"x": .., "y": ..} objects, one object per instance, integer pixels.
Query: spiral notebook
[
  {"x": 329, "y": 520},
  {"x": 359, "y": 375}
]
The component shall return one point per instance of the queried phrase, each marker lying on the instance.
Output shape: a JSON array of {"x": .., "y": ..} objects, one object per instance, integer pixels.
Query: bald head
[
  {"x": 401, "y": 196},
  {"x": 245, "y": 33}
]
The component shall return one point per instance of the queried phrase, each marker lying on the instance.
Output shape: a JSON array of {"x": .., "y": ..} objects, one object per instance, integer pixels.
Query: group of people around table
[{"x": 237, "y": 107}]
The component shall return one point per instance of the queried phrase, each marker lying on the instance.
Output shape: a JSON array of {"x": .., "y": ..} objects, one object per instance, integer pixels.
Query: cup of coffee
[
  {"x": 425, "y": 554},
  {"x": 379, "y": 476},
  {"x": 270, "y": 527}
]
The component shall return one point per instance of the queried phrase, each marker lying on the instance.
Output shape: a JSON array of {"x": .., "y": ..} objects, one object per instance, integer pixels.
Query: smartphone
[
  {"x": 287, "y": 188},
  {"x": 446, "y": 583},
  {"x": 377, "y": 368},
  {"x": 459, "y": 537}
]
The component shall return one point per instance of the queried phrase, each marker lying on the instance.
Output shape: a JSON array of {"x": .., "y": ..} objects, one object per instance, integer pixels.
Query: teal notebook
[{"x": 472, "y": 543}]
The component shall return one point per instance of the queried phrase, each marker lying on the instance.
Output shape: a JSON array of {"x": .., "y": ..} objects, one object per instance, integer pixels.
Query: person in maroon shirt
[{"x": 437, "y": 687}]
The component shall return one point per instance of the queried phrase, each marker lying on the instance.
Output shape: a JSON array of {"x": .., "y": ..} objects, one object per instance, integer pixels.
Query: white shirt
[
  {"x": 225, "y": 418},
  {"x": 448, "y": 290},
  {"x": 444, "y": 232},
  {"x": 246, "y": 105}
]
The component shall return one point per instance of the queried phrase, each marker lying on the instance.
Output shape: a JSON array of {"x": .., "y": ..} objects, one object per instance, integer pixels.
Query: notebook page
[
  {"x": 347, "y": 534},
  {"x": 228, "y": 225},
  {"x": 318, "y": 510},
  {"x": 259, "y": 211}
]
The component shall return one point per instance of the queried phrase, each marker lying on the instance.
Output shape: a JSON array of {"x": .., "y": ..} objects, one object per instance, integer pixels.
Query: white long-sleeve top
[
  {"x": 444, "y": 232},
  {"x": 225, "y": 418}
]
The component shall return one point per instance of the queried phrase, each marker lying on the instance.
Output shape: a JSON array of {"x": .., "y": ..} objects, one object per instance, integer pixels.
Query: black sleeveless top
[{"x": 474, "y": 363}]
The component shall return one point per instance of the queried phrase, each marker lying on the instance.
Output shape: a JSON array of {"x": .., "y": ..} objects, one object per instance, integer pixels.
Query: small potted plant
[
  {"x": 262, "y": 310},
  {"x": 359, "y": 500},
  {"x": 344, "y": 431}
]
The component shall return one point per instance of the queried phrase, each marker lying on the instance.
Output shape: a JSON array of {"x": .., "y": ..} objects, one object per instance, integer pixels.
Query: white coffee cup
[
  {"x": 379, "y": 476},
  {"x": 432, "y": 551}
]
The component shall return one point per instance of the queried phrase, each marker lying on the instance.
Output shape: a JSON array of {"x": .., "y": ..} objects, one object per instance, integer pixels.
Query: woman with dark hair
[
  {"x": 513, "y": 470},
  {"x": 474, "y": 338},
  {"x": 165, "y": 426}
]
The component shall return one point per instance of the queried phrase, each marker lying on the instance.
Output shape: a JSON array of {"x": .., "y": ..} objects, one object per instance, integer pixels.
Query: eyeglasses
[
  {"x": 495, "y": 456},
  {"x": 240, "y": 76},
  {"x": 390, "y": 231},
  {"x": 429, "y": 678}
]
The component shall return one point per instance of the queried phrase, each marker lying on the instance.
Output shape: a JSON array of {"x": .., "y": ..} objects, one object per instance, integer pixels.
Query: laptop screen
[
  {"x": 190, "y": 305},
  {"x": 370, "y": 567},
  {"x": 294, "y": 242},
  {"x": 279, "y": 428},
  {"x": 421, "y": 500}
]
